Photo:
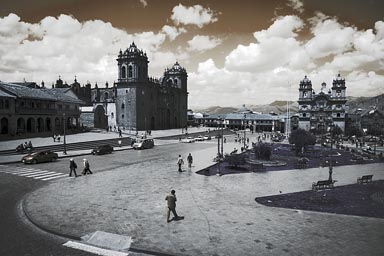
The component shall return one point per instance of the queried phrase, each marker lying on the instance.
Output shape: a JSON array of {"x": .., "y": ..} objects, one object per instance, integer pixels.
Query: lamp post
[
  {"x": 245, "y": 116},
  {"x": 65, "y": 142}
]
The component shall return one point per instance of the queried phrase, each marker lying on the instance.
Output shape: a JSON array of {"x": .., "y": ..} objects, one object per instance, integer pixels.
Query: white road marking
[
  {"x": 46, "y": 176},
  {"x": 31, "y": 174},
  {"x": 93, "y": 249},
  {"x": 51, "y": 178}
]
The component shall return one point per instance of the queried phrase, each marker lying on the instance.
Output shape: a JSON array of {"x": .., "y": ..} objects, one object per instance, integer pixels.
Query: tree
[
  {"x": 263, "y": 151},
  {"x": 301, "y": 139}
]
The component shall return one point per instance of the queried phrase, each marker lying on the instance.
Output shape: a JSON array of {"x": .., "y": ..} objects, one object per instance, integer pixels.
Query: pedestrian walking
[
  {"x": 180, "y": 162},
  {"x": 190, "y": 160},
  {"x": 87, "y": 169},
  {"x": 120, "y": 135},
  {"x": 58, "y": 138},
  {"x": 171, "y": 203},
  {"x": 72, "y": 167},
  {"x": 54, "y": 137}
]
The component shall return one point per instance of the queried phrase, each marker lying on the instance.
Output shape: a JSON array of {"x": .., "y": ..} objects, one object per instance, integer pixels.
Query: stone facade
[
  {"x": 318, "y": 112},
  {"x": 144, "y": 103},
  {"x": 37, "y": 111}
]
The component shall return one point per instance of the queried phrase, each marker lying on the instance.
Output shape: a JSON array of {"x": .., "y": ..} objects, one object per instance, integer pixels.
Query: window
[
  {"x": 1, "y": 104},
  {"x": 123, "y": 72},
  {"x": 106, "y": 95},
  {"x": 338, "y": 115},
  {"x": 122, "y": 116},
  {"x": 122, "y": 105},
  {"x": 112, "y": 115},
  {"x": 130, "y": 71},
  {"x": 304, "y": 115}
]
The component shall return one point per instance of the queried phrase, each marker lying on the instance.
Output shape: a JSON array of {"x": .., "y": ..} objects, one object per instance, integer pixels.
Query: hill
[{"x": 280, "y": 107}]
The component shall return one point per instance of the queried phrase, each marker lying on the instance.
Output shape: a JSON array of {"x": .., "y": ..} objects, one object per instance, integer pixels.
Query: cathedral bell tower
[
  {"x": 132, "y": 65},
  {"x": 305, "y": 89},
  {"x": 338, "y": 87}
]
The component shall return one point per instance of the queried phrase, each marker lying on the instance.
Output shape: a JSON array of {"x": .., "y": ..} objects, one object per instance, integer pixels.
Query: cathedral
[
  {"x": 319, "y": 112},
  {"x": 139, "y": 102}
]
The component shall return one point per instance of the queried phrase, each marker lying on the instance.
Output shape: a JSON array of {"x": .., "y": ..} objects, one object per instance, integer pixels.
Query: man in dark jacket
[
  {"x": 171, "y": 199},
  {"x": 72, "y": 167}
]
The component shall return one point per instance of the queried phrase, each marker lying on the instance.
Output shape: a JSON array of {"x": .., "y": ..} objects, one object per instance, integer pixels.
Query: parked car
[
  {"x": 101, "y": 150},
  {"x": 188, "y": 140},
  {"x": 40, "y": 157},
  {"x": 143, "y": 144},
  {"x": 199, "y": 138},
  {"x": 207, "y": 137}
]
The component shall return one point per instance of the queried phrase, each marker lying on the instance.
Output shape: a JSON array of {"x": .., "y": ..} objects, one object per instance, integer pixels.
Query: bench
[
  {"x": 364, "y": 179},
  {"x": 323, "y": 184}
]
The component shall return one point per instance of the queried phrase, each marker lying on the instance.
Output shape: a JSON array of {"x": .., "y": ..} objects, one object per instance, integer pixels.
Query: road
[
  {"x": 17, "y": 180},
  {"x": 18, "y": 236}
]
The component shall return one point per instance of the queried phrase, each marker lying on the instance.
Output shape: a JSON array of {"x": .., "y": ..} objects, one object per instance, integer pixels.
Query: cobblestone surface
[{"x": 221, "y": 216}]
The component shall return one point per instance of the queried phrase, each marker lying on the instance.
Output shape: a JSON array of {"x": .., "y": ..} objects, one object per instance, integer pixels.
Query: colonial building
[
  {"x": 244, "y": 118},
  {"x": 37, "y": 111},
  {"x": 138, "y": 102},
  {"x": 318, "y": 112}
]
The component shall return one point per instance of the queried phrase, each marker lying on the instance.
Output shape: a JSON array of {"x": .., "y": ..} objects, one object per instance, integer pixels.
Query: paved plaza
[{"x": 221, "y": 215}]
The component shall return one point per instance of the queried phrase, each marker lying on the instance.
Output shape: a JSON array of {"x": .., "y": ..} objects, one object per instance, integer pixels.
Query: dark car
[
  {"x": 40, "y": 157},
  {"x": 101, "y": 150},
  {"x": 143, "y": 144}
]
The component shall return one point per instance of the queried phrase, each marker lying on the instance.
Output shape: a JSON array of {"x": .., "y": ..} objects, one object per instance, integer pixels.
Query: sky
[{"x": 236, "y": 52}]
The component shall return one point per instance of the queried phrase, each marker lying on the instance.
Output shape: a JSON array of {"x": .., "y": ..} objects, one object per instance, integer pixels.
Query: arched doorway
[
  {"x": 40, "y": 125},
  {"x": 4, "y": 125},
  {"x": 20, "y": 126},
  {"x": 31, "y": 125},
  {"x": 100, "y": 119},
  {"x": 48, "y": 124},
  {"x": 57, "y": 125}
]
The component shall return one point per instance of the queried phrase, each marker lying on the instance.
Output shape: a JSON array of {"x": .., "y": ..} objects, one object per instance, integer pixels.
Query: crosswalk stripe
[
  {"x": 51, "y": 178},
  {"x": 46, "y": 176},
  {"x": 31, "y": 173},
  {"x": 37, "y": 174},
  {"x": 20, "y": 172}
]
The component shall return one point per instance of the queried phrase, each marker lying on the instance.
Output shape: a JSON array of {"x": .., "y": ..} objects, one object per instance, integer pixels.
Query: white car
[
  {"x": 207, "y": 137},
  {"x": 200, "y": 138},
  {"x": 188, "y": 140}
]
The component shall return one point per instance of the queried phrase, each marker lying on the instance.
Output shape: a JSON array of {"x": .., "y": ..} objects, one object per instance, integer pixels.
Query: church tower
[
  {"x": 132, "y": 65},
  {"x": 305, "y": 98}
]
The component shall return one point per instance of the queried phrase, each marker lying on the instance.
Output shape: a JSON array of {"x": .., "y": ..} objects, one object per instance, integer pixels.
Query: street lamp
[
  {"x": 245, "y": 116},
  {"x": 65, "y": 142}
]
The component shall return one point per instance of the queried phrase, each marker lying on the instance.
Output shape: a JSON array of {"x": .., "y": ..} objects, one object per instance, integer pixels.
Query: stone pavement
[{"x": 221, "y": 215}]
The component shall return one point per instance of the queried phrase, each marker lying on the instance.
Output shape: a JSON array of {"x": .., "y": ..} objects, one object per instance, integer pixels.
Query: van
[{"x": 143, "y": 144}]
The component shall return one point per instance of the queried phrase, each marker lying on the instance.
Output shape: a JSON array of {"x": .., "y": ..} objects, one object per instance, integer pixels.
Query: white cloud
[
  {"x": 173, "y": 32},
  {"x": 64, "y": 46},
  {"x": 296, "y": 5},
  {"x": 202, "y": 43},
  {"x": 144, "y": 3},
  {"x": 195, "y": 15},
  {"x": 262, "y": 71},
  {"x": 330, "y": 37},
  {"x": 275, "y": 47}
]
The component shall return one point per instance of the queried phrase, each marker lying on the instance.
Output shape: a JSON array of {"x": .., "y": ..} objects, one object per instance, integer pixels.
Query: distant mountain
[
  {"x": 280, "y": 107},
  {"x": 366, "y": 103}
]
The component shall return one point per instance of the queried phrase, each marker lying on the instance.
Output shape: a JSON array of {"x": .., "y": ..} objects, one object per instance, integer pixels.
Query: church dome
[{"x": 132, "y": 50}]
